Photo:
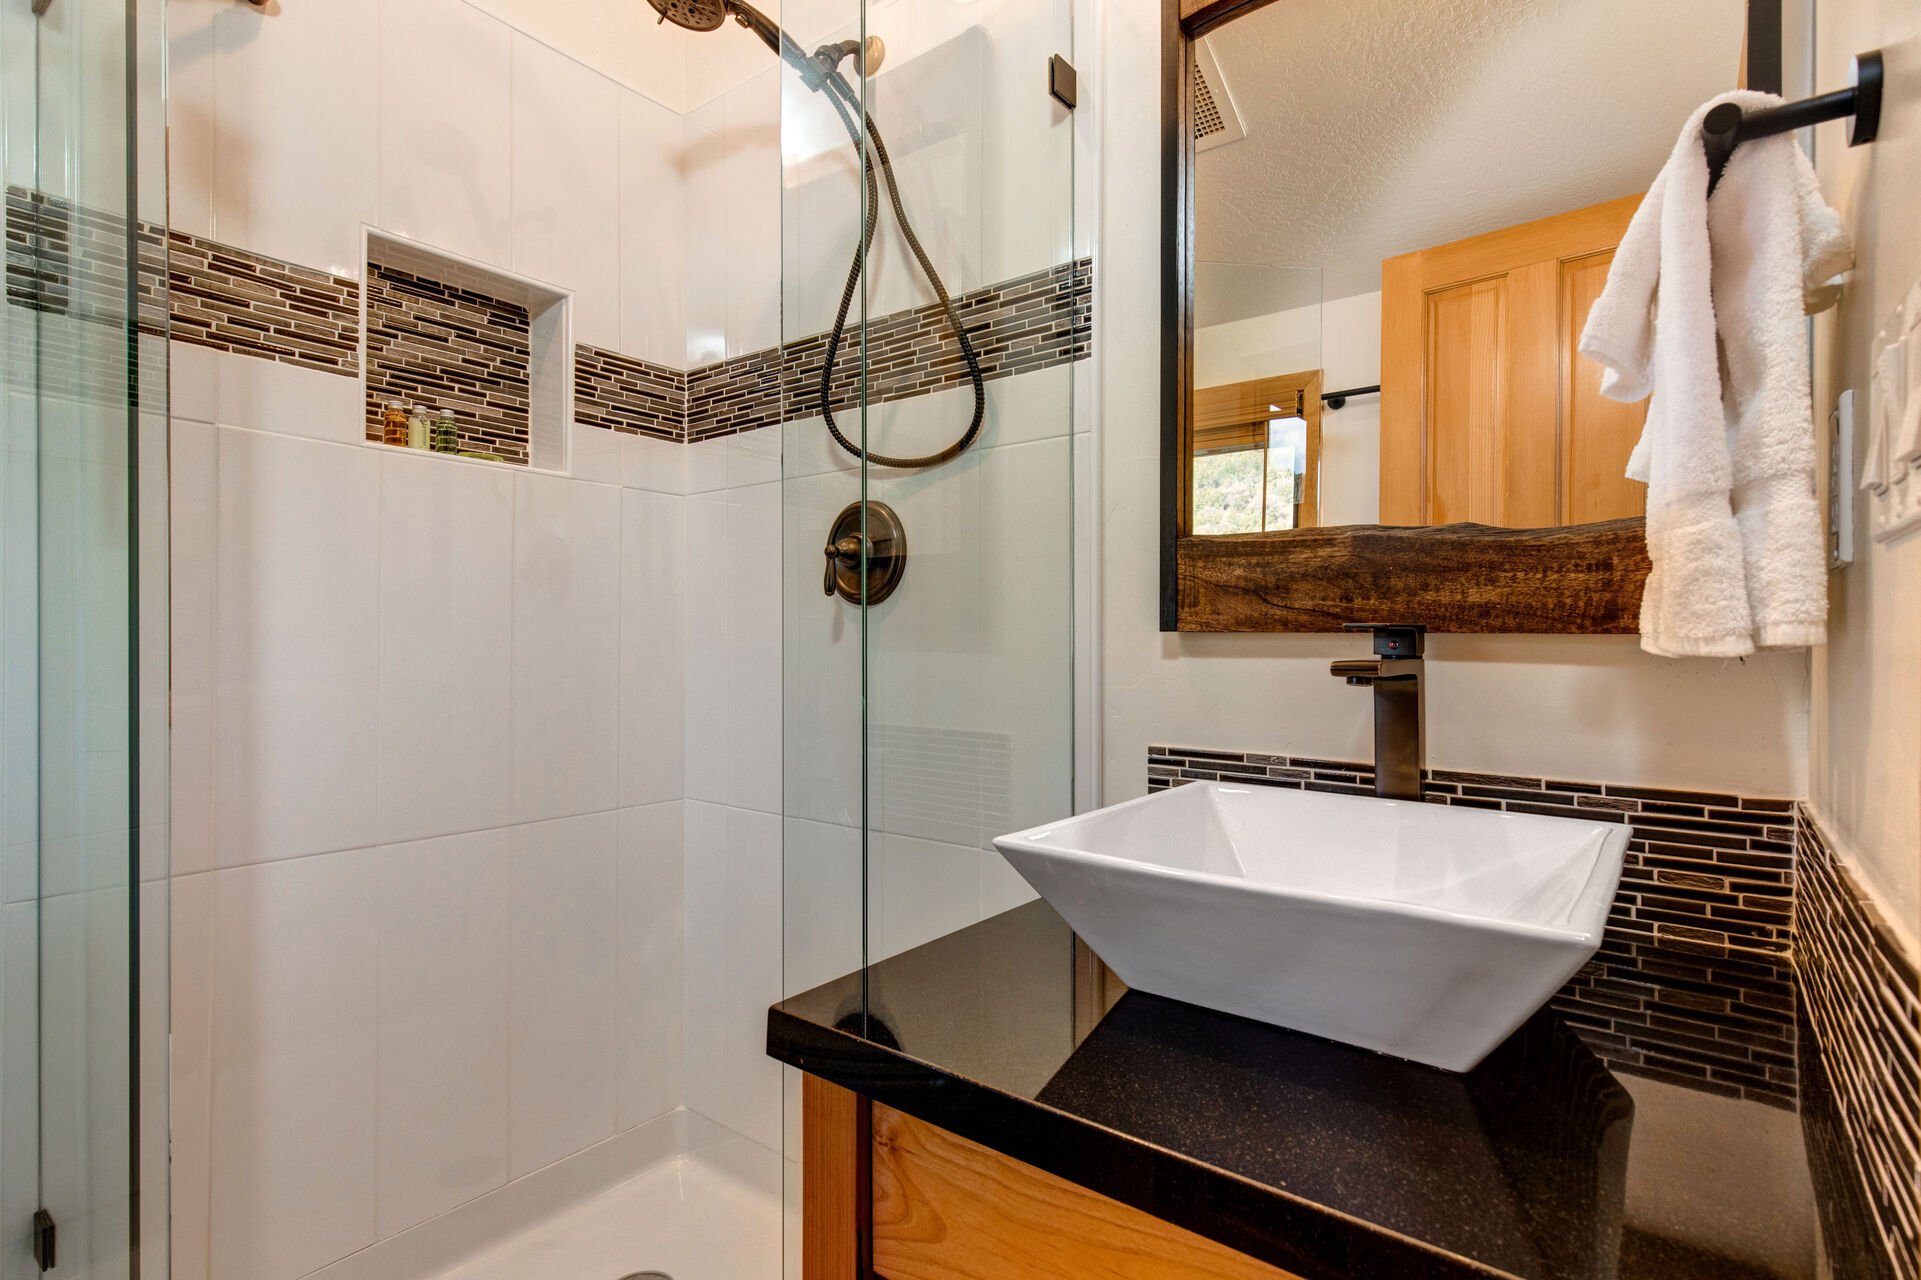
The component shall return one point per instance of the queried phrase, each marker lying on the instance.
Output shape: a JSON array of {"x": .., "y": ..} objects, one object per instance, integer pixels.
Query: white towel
[{"x": 1703, "y": 311}]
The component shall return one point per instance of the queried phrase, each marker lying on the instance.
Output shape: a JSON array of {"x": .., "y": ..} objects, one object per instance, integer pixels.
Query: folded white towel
[{"x": 1702, "y": 311}]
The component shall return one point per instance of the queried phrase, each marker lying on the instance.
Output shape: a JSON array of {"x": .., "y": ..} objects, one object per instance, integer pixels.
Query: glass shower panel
[
  {"x": 83, "y": 646},
  {"x": 918, "y": 727}
]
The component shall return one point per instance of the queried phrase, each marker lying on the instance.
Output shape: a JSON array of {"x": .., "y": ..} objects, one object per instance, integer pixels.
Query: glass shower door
[{"x": 83, "y": 657}]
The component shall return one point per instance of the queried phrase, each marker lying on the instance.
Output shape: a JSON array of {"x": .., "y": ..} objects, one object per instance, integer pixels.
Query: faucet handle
[{"x": 1394, "y": 639}]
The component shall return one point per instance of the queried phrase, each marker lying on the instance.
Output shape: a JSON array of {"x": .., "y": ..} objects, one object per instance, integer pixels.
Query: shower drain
[{"x": 648, "y": 1275}]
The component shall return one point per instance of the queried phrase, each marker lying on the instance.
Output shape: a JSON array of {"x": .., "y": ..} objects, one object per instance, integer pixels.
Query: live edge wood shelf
[
  {"x": 887, "y": 1195},
  {"x": 1584, "y": 580}
]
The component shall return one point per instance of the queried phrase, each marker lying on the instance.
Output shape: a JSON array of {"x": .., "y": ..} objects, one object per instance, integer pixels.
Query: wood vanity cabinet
[{"x": 939, "y": 1207}]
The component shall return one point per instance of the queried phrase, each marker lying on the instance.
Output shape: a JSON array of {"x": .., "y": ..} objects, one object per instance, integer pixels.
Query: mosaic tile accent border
[
  {"x": 1693, "y": 982},
  {"x": 1863, "y": 999},
  {"x": 68, "y": 261},
  {"x": 452, "y": 349},
  {"x": 253, "y": 305},
  {"x": 633, "y": 397},
  {"x": 234, "y": 300},
  {"x": 1023, "y": 325}
]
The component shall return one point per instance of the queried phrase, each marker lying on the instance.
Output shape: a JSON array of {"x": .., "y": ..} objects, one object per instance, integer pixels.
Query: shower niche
[{"x": 491, "y": 350}]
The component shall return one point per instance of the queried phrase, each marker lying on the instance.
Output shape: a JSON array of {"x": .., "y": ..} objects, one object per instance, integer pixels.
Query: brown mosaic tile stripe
[
  {"x": 1693, "y": 982},
  {"x": 1019, "y": 326},
  {"x": 71, "y": 262},
  {"x": 1863, "y": 1000},
  {"x": 733, "y": 396},
  {"x": 235, "y": 300},
  {"x": 453, "y": 350},
  {"x": 633, "y": 397}
]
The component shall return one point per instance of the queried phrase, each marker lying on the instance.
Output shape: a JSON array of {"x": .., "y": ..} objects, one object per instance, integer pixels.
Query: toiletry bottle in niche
[
  {"x": 393, "y": 424},
  {"x": 446, "y": 433},
  {"x": 420, "y": 428}
]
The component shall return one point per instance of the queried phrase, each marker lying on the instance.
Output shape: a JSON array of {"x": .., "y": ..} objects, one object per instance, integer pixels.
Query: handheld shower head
[{"x": 695, "y": 15}]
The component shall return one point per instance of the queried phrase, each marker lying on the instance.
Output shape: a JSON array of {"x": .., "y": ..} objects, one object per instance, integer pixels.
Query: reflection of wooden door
[{"x": 1487, "y": 413}]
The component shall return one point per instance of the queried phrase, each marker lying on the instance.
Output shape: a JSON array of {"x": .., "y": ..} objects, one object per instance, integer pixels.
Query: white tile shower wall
[
  {"x": 447, "y": 86},
  {"x": 439, "y": 120},
  {"x": 372, "y": 648}
]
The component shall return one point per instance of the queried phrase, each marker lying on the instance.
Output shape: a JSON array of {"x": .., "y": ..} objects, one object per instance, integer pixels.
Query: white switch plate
[{"x": 1841, "y": 481}]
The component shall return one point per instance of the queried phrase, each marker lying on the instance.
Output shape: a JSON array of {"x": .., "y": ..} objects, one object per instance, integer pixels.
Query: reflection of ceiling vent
[{"x": 1216, "y": 122}]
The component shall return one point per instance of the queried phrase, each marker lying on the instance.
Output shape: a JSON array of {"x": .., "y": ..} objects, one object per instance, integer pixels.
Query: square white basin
[{"x": 1417, "y": 930}]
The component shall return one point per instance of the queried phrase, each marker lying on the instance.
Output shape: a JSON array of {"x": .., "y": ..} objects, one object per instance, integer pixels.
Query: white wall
[
  {"x": 1572, "y": 707},
  {"x": 429, "y": 852},
  {"x": 1866, "y": 774},
  {"x": 1342, "y": 338}
]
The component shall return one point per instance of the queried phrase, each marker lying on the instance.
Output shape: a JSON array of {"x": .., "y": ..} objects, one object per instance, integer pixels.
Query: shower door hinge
[
  {"x": 1063, "y": 82},
  {"x": 45, "y": 1235},
  {"x": 40, "y": 7}
]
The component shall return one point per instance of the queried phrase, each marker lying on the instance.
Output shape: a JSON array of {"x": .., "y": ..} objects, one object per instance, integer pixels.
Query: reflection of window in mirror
[{"x": 1257, "y": 449}]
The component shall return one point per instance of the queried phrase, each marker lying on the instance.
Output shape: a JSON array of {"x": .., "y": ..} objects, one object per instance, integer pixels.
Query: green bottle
[{"x": 446, "y": 434}]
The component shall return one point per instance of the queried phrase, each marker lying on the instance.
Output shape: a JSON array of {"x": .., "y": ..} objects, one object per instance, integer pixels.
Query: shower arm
[{"x": 816, "y": 71}]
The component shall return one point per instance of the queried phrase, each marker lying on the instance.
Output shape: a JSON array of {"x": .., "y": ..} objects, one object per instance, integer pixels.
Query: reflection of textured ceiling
[{"x": 1380, "y": 126}]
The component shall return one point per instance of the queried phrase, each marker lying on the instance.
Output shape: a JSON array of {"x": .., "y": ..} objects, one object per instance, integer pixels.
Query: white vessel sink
[{"x": 1416, "y": 930}]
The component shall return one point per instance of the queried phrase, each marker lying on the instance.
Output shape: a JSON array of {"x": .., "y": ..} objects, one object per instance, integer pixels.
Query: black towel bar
[{"x": 1727, "y": 126}]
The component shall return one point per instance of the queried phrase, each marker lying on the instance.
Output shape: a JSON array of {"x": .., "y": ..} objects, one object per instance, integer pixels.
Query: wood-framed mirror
[{"x": 1383, "y": 225}]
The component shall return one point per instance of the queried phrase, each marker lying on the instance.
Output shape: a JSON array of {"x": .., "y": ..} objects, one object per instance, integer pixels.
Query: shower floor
[{"x": 694, "y": 1218}]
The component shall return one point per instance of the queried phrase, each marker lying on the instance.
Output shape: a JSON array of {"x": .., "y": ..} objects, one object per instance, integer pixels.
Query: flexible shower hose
[{"x": 842, "y": 96}]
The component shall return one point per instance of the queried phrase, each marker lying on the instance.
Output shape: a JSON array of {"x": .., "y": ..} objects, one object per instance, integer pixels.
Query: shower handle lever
[{"x": 842, "y": 554}]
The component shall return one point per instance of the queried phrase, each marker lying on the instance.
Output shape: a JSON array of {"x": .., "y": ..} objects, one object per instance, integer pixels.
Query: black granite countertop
[{"x": 1330, "y": 1162}]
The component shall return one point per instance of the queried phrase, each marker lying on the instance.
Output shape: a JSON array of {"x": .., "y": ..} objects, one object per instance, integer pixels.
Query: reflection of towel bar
[
  {"x": 1727, "y": 126},
  {"x": 1338, "y": 399}
]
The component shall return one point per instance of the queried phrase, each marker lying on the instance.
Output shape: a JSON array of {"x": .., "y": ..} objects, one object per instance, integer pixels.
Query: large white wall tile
[
  {"x": 821, "y": 907},
  {"x": 751, "y": 230},
  {"x": 734, "y": 650},
  {"x": 191, "y": 115},
  {"x": 753, "y": 597},
  {"x": 653, "y": 656},
  {"x": 296, "y": 98},
  {"x": 566, "y": 217},
  {"x": 446, "y": 127},
  {"x": 650, "y": 931},
  {"x": 564, "y": 1016},
  {"x": 444, "y": 943},
  {"x": 653, "y": 244},
  {"x": 264, "y": 395},
  {"x": 294, "y": 1065},
  {"x": 19, "y": 1058},
  {"x": 446, "y": 641},
  {"x": 190, "y": 1071},
  {"x": 297, "y": 647},
  {"x": 704, "y": 204},
  {"x": 733, "y": 961},
  {"x": 194, "y": 553},
  {"x": 566, "y": 660}
]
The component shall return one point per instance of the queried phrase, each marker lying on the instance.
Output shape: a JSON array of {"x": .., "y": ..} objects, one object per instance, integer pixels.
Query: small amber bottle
[{"x": 393, "y": 424}]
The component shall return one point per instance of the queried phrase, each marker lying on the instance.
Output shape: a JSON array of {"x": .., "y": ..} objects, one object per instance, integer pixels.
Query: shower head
[{"x": 695, "y": 15}]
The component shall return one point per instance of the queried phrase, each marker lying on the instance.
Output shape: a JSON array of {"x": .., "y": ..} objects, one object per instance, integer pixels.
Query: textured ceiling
[{"x": 1376, "y": 127}]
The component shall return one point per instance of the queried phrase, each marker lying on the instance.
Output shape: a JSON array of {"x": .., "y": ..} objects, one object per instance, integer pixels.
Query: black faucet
[{"x": 1394, "y": 672}]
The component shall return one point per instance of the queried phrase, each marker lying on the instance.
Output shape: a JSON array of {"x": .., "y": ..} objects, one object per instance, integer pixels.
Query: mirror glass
[{"x": 1415, "y": 205}]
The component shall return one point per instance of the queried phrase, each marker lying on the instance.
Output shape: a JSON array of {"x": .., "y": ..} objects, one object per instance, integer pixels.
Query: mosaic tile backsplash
[
  {"x": 1693, "y": 982},
  {"x": 1740, "y": 959},
  {"x": 1863, "y": 1001}
]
